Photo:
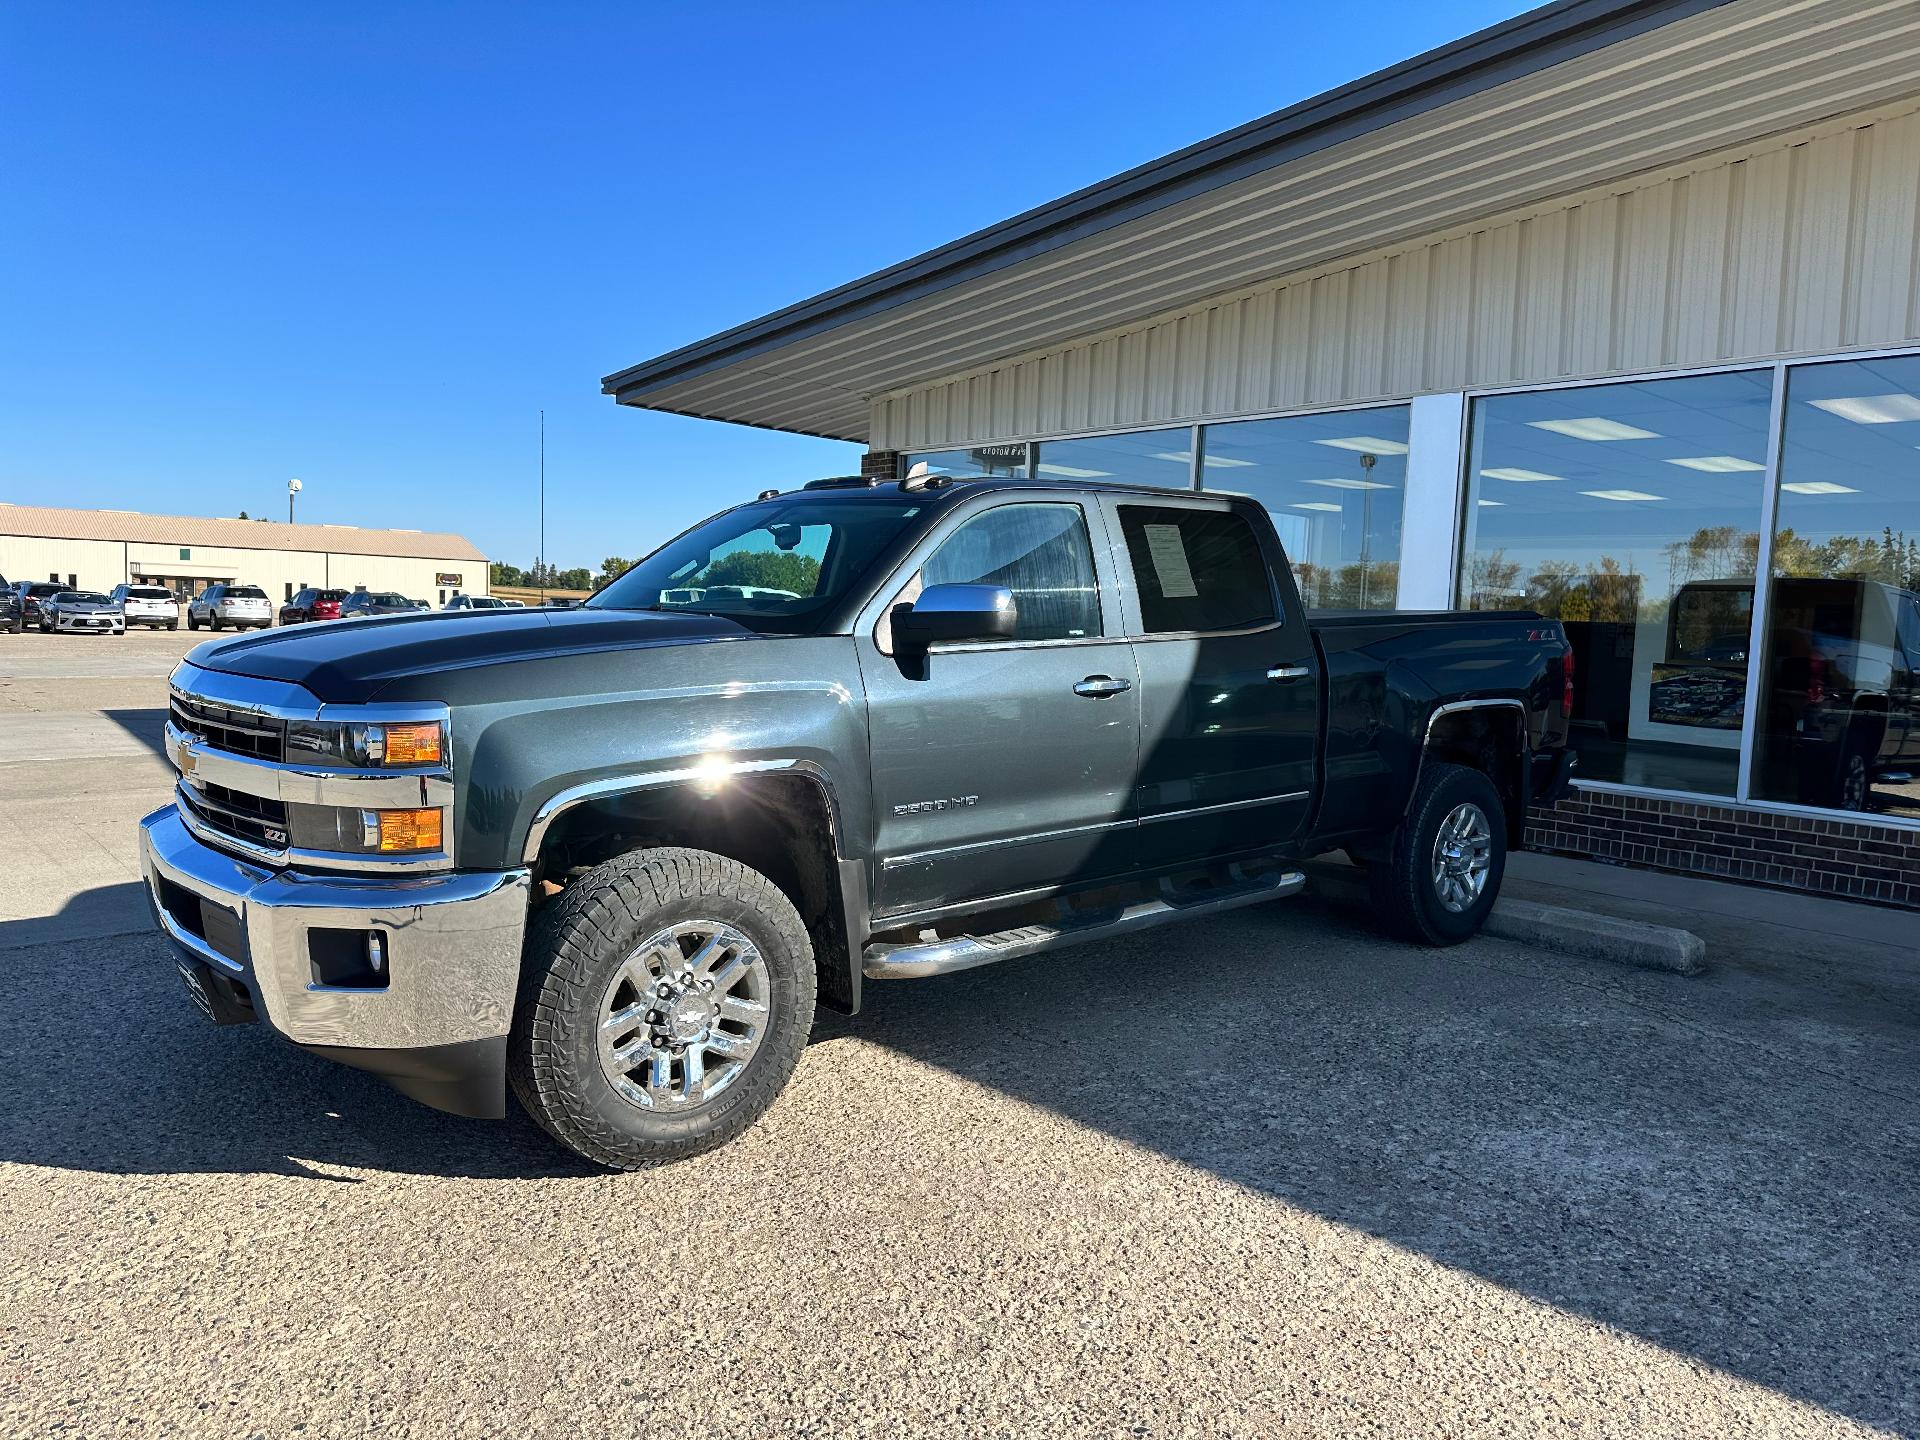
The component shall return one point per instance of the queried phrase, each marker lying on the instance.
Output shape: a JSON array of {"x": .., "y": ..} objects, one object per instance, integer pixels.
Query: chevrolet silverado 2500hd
[{"x": 609, "y": 858}]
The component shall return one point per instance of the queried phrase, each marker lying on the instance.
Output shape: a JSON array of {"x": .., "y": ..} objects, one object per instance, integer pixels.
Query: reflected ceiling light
[
  {"x": 1818, "y": 487},
  {"x": 1074, "y": 472},
  {"x": 1352, "y": 484},
  {"x": 1212, "y": 462},
  {"x": 1594, "y": 427},
  {"x": 1621, "y": 495},
  {"x": 1718, "y": 464},
  {"x": 1368, "y": 444},
  {"x": 1508, "y": 472},
  {"x": 1315, "y": 505},
  {"x": 1493, "y": 504},
  {"x": 1872, "y": 409}
]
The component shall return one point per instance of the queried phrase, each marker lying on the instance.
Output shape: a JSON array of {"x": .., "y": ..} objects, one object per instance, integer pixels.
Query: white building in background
[
  {"x": 1609, "y": 311},
  {"x": 98, "y": 549}
]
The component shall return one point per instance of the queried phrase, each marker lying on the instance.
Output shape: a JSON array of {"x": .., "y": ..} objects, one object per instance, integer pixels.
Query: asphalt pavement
[{"x": 1266, "y": 1175}]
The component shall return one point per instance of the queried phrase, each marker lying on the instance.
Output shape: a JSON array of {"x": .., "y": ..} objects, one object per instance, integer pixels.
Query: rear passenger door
[
  {"x": 1229, "y": 682},
  {"x": 1004, "y": 766}
]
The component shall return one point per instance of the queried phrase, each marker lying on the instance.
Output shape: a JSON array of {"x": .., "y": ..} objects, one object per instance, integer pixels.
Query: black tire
[
  {"x": 574, "y": 953},
  {"x": 173, "y": 625},
  {"x": 1406, "y": 895},
  {"x": 213, "y": 623},
  {"x": 192, "y": 624}
]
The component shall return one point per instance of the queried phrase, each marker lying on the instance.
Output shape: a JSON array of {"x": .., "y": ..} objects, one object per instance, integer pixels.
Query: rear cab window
[{"x": 1196, "y": 570}]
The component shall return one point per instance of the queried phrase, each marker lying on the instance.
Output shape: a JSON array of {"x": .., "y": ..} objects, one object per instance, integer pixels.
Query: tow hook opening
[{"x": 349, "y": 959}]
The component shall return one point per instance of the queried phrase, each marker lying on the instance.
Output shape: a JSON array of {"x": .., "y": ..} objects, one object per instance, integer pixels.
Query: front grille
[
  {"x": 238, "y": 732},
  {"x": 253, "y": 818}
]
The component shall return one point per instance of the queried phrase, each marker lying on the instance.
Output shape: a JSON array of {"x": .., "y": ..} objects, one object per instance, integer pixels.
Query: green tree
[
  {"x": 767, "y": 569},
  {"x": 611, "y": 569},
  {"x": 501, "y": 573}
]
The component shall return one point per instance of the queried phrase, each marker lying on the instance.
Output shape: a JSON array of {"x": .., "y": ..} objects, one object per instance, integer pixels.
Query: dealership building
[
  {"x": 98, "y": 549},
  {"x": 1608, "y": 311}
]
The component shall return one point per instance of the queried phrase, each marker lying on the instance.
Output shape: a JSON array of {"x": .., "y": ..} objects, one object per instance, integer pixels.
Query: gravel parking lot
[{"x": 1265, "y": 1175}]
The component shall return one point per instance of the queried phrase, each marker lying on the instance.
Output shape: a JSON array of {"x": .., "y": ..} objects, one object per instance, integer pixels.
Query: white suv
[
  {"x": 150, "y": 605},
  {"x": 242, "y": 606}
]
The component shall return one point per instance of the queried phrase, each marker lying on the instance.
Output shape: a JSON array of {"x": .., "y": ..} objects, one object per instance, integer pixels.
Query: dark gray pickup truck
[{"x": 611, "y": 857}]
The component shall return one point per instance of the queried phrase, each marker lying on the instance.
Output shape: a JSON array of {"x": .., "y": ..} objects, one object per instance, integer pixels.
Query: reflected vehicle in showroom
[
  {"x": 1842, "y": 710},
  {"x": 223, "y": 606},
  {"x": 80, "y": 612},
  {"x": 150, "y": 605},
  {"x": 609, "y": 858}
]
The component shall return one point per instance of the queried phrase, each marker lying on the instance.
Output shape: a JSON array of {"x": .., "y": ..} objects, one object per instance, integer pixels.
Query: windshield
[
  {"x": 81, "y": 597},
  {"x": 776, "y": 567}
]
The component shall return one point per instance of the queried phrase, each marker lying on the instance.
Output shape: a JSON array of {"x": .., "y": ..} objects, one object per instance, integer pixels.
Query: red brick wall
[
  {"x": 881, "y": 464},
  {"x": 1846, "y": 857}
]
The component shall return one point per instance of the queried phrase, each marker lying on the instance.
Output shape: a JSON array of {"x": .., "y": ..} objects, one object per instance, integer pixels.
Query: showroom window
[
  {"x": 979, "y": 462},
  {"x": 1839, "y": 702},
  {"x": 1335, "y": 485},
  {"x": 1631, "y": 513},
  {"x": 1141, "y": 457}
]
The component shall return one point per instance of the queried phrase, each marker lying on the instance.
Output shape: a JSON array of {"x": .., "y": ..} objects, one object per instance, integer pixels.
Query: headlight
[{"x": 398, "y": 746}]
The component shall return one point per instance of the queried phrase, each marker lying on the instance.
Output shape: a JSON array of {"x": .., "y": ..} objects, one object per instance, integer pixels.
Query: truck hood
[{"x": 346, "y": 662}]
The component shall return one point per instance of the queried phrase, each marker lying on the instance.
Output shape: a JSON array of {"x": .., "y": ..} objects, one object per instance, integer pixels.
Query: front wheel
[
  {"x": 1448, "y": 859},
  {"x": 664, "y": 1002}
]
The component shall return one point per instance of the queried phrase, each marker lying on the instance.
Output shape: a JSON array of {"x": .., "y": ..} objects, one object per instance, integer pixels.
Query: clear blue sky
[{"x": 365, "y": 244}]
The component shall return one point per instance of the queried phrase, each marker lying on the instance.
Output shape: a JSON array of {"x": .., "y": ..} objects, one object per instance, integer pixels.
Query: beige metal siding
[{"x": 1801, "y": 244}]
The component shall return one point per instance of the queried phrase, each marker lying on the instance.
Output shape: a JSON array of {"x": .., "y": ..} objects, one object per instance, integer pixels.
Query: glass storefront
[
  {"x": 1630, "y": 513},
  {"x": 1335, "y": 485},
  {"x": 1635, "y": 512},
  {"x": 981, "y": 462},
  {"x": 1839, "y": 721},
  {"x": 1140, "y": 457}
]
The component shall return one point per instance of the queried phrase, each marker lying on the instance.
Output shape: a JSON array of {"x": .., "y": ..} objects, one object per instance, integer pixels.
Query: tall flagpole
[{"x": 543, "y": 507}]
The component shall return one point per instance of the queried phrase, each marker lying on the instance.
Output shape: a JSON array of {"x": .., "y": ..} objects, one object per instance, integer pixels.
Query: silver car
[
  {"x": 150, "y": 605},
  {"x": 84, "y": 611},
  {"x": 244, "y": 607}
]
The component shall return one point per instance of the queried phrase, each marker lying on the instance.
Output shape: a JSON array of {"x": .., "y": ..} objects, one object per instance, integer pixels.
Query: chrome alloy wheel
[
  {"x": 1462, "y": 855},
  {"x": 683, "y": 1015}
]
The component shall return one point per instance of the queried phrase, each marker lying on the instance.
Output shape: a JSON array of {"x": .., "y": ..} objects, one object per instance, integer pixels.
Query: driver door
[{"x": 1004, "y": 766}]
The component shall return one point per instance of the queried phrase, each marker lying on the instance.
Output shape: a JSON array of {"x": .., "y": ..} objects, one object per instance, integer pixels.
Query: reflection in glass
[
  {"x": 1142, "y": 457},
  {"x": 1630, "y": 513},
  {"x": 1335, "y": 486},
  {"x": 1839, "y": 723},
  {"x": 981, "y": 462}
]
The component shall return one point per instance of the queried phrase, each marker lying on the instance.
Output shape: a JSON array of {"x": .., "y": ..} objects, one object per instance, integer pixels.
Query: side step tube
[{"x": 963, "y": 952}]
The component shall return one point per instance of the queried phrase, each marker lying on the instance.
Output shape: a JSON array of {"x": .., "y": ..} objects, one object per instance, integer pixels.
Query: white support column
[{"x": 1430, "y": 520}]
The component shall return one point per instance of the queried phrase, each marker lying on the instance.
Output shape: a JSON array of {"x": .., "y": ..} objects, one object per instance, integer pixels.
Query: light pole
[{"x": 293, "y": 489}]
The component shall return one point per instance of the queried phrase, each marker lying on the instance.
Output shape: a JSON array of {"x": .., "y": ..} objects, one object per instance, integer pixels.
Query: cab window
[
  {"x": 1196, "y": 570},
  {"x": 1040, "y": 552}
]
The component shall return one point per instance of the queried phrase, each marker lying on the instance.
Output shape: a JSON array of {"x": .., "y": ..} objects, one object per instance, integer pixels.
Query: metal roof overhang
[{"x": 1566, "y": 97}]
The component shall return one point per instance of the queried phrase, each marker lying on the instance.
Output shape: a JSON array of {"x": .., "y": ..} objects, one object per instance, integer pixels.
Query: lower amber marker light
[{"x": 408, "y": 830}]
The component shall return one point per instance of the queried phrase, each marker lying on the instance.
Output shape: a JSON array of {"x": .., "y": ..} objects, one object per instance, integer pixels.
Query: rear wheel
[
  {"x": 1448, "y": 859},
  {"x": 213, "y": 620},
  {"x": 664, "y": 1002}
]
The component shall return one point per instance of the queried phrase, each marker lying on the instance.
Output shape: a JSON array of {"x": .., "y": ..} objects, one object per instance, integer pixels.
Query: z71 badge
[{"x": 921, "y": 807}]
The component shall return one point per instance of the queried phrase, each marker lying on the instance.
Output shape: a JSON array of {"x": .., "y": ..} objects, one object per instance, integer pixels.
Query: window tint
[
  {"x": 1196, "y": 569},
  {"x": 246, "y": 592},
  {"x": 1041, "y": 554}
]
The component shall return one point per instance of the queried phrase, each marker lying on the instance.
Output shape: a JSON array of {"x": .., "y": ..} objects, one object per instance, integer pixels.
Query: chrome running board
[{"x": 962, "y": 952}]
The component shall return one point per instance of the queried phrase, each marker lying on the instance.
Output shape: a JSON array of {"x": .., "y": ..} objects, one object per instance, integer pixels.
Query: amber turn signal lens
[
  {"x": 412, "y": 744},
  {"x": 409, "y": 830}
]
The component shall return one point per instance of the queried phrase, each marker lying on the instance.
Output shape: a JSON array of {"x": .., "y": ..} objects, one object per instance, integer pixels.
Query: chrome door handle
[
  {"x": 1098, "y": 687},
  {"x": 1284, "y": 673}
]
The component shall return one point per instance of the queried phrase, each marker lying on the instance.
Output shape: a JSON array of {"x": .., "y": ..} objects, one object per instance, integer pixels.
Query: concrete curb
[{"x": 1556, "y": 927}]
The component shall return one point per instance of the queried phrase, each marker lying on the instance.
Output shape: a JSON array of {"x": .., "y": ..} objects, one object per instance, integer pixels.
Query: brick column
[{"x": 880, "y": 464}]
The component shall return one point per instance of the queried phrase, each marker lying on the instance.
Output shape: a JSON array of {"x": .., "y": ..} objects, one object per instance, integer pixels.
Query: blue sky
[{"x": 366, "y": 244}]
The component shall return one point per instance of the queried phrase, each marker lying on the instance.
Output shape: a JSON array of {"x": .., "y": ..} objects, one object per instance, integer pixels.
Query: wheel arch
[
  {"x": 1486, "y": 735},
  {"x": 780, "y": 817}
]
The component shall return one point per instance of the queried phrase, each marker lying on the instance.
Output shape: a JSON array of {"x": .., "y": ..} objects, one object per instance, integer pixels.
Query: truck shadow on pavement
[
  {"x": 1680, "y": 1159},
  {"x": 148, "y": 726},
  {"x": 1688, "y": 1160}
]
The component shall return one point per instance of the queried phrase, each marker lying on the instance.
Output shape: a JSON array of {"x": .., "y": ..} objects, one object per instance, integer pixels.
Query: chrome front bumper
[{"x": 451, "y": 946}]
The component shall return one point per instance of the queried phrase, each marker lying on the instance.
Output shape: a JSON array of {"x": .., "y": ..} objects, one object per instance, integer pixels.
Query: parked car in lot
[
  {"x": 366, "y": 603},
  {"x": 24, "y": 600},
  {"x": 85, "y": 612},
  {"x": 475, "y": 602},
  {"x": 223, "y": 606},
  {"x": 150, "y": 605},
  {"x": 312, "y": 604},
  {"x": 611, "y": 857}
]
